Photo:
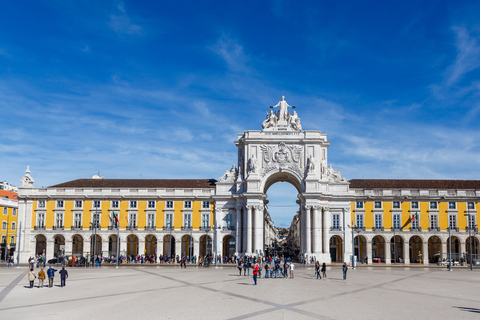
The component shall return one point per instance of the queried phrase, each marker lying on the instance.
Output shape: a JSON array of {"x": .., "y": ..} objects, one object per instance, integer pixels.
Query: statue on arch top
[{"x": 282, "y": 119}]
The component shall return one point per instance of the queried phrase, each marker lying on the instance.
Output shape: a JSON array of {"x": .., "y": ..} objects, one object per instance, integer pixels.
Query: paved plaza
[{"x": 208, "y": 293}]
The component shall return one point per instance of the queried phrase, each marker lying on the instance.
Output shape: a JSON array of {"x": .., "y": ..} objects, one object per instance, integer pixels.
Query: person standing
[
  {"x": 255, "y": 268},
  {"x": 50, "y": 274},
  {"x": 63, "y": 277},
  {"x": 317, "y": 270},
  {"x": 344, "y": 268},
  {"x": 285, "y": 270},
  {"x": 31, "y": 277},
  {"x": 292, "y": 268},
  {"x": 41, "y": 278},
  {"x": 239, "y": 266},
  {"x": 324, "y": 270}
]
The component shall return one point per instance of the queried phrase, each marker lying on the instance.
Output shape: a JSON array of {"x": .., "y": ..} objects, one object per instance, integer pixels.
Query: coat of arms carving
[{"x": 281, "y": 156}]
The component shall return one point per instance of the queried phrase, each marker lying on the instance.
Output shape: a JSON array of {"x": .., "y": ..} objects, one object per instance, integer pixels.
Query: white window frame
[
  {"x": 359, "y": 221},
  {"x": 12, "y": 239},
  {"x": 169, "y": 204},
  {"x": 205, "y": 204},
  {"x": 41, "y": 220},
  {"x": 433, "y": 205},
  {"x": 151, "y": 204},
  {"x": 452, "y": 205},
  {"x": 187, "y": 204},
  {"x": 14, "y": 212},
  {"x": 433, "y": 221},
  {"x": 452, "y": 221},
  {"x": 77, "y": 222},
  {"x": 132, "y": 219},
  {"x": 60, "y": 204},
  {"x": 59, "y": 220},
  {"x": 395, "y": 203},
  {"x": 115, "y": 204},
  {"x": 169, "y": 219},
  {"x": 133, "y": 204},
  {"x": 5, "y": 211},
  {"x": 187, "y": 220},
  {"x": 396, "y": 221},
  {"x": 205, "y": 220},
  {"x": 151, "y": 220},
  {"x": 375, "y": 205},
  {"x": 415, "y": 224},
  {"x": 41, "y": 204},
  {"x": 358, "y": 204},
  {"x": 378, "y": 221},
  {"x": 229, "y": 220},
  {"x": 78, "y": 204},
  {"x": 4, "y": 225},
  {"x": 414, "y": 207},
  {"x": 97, "y": 204},
  {"x": 470, "y": 206},
  {"x": 336, "y": 221},
  {"x": 471, "y": 221}
]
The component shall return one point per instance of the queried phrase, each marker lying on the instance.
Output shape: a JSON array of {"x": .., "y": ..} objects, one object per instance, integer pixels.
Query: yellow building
[{"x": 8, "y": 222}]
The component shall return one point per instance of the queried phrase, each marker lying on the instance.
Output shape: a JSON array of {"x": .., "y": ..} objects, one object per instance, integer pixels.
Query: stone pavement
[{"x": 192, "y": 293}]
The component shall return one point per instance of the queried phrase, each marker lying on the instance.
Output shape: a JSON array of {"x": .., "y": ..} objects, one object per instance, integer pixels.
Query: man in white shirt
[{"x": 292, "y": 267}]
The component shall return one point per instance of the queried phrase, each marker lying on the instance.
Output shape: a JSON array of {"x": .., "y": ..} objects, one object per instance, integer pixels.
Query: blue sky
[{"x": 158, "y": 89}]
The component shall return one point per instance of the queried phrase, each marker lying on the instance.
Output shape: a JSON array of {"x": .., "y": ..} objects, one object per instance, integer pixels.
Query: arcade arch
[{"x": 40, "y": 244}]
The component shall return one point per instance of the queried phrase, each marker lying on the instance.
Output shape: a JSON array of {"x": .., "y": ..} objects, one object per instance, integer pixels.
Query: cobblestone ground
[{"x": 196, "y": 293}]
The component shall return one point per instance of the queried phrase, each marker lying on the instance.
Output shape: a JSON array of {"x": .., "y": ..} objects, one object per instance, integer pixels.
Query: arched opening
[
  {"x": 471, "y": 245},
  {"x": 40, "y": 245},
  {"x": 360, "y": 247},
  {"x": 396, "y": 249},
  {"x": 205, "y": 245},
  {"x": 228, "y": 246},
  {"x": 455, "y": 248},
  {"x": 150, "y": 245},
  {"x": 435, "y": 249},
  {"x": 187, "y": 246},
  {"x": 169, "y": 245},
  {"x": 96, "y": 246},
  {"x": 58, "y": 246},
  {"x": 415, "y": 249},
  {"x": 77, "y": 245},
  {"x": 132, "y": 245},
  {"x": 112, "y": 245},
  {"x": 282, "y": 228},
  {"x": 336, "y": 248},
  {"x": 378, "y": 249}
]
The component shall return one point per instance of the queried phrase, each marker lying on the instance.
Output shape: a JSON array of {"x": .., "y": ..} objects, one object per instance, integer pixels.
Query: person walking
[
  {"x": 50, "y": 274},
  {"x": 324, "y": 270},
  {"x": 239, "y": 266},
  {"x": 63, "y": 277},
  {"x": 41, "y": 278},
  {"x": 292, "y": 268},
  {"x": 267, "y": 270},
  {"x": 31, "y": 277},
  {"x": 285, "y": 270},
  {"x": 344, "y": 268},
  {"x": 317, "y": 270},
  {"x": 255, "y": 268}
]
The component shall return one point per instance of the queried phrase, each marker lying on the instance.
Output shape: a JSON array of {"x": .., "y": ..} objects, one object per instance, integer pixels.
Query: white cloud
[
  {"x": 122, "y": 24},
  {"x": 232, "y": 53}
]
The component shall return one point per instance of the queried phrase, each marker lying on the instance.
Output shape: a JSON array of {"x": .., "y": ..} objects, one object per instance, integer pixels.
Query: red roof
[
  {"x": 414, "y": 184},
  {"x": 9, "y": 194},
  {"x": 138, "y": 183}
]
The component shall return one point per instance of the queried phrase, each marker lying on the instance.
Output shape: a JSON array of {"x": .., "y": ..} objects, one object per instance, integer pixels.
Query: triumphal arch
[{"x": 283, "y": 151}]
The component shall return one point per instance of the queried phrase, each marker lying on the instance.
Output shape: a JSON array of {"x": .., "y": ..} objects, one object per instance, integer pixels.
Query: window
[
  {"x": 336, "y": 221},
  {"x": 433, "y": 221},
  {"x": 41, "y": 203},
  {"x": 187, "y": 220},
  {"x": 471, "y": 222},
  {"x": 4, "y": 239},
  {"x": 132, "y": 223},
  {"x": 133, "y": 204},
  {"x": 471, "y": 206},
  {"x": 396, "y": 221},
  {"x": 452, "y": 221},
  {"x": 41, "y": 220},
  {"x": 452, "y": 205},
  {"x": 359, "y": 205},
  {"x": 77, "y": 223},
  {"x": 12, "y": 240},
  {"x": 169, "y": 220},
  {"x": 151, "y": 204},
  {"x": 378, "y": 205},
  {"x": 206, "y": 204},
  {"x": 433, "y": 205},
  {"x": 151, "y": 220},
  {"x": 396, "y": 205},
  {"x": 14, "y": 211},
  {"x": 415, "y": 223},
  {"x": 78, "y": 204},
  {"x": 114, "y": 204},
  {"x": 5, "y": 210},
  {"x": 169, "y": 204},
  {"x": 378, "y": 221},
  {"x": 96, "y": 220},
  {"x": 228, "y": 220},
  {"x": 13, "y": 226},
  {"x": 359, "y": 223},
  {"x": 414, "y": 205},
  {"x": 205, "y": 220},
  {"x": 59, "y": 203},
  {"x": 187, "y": 205},
  {"x": 4, "y": 225},
  {"x": 96, "y": 203},
  {"x": 59, "y": 220}
]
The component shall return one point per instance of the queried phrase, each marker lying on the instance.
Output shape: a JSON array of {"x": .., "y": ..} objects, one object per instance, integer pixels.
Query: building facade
[
  {"x": 8, "y": 221},
  {"x": 335, "y": 217}
]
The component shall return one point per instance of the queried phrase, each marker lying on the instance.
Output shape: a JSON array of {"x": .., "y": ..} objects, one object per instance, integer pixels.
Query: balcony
[
  {"x": 57, "y": 228},
  {"x": 76, "y": 228},
  {"x": 150, "y": 228},
  {"x": 358, "y": 229},
  {"x": 39, "y": 228},
  {"x": 112, "y": 227},
  {"x": 474, "y": 229},
  {"x": 416, "y": 229},
  {"x": 94, "y": 227},
  {"x": 12, "y": 244},
  {"x": 230, "y": 228},
  {"x": 131, "y": 227},
  {"x": 434, "y": 229},
  {"x": 396, "y": 229},
  {"x": 186, "y": 227},
  {"x": 167, "y": 227},
  {"x": 336, "y": 228},
  {"x": 453, "y": 229},
  {"x": 205, "y": 228},
  {"x": 378, "y": 228}
]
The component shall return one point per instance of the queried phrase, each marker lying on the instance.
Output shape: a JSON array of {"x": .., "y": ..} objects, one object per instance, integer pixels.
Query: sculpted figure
[
  {"x": 310, "y": 164},
  {"x": 283, "y": 113},
  {"x": 252, "y": 164}
]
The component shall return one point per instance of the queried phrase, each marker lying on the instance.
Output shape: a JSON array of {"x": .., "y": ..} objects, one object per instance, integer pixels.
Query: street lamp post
[
  {"x": 450, "y": 248},
  {"x": 353, "y": 245},
  {"x": 394, "y": 246},
  {"x": 6, "y": 239},
  {"x": 469, "y": 236}
]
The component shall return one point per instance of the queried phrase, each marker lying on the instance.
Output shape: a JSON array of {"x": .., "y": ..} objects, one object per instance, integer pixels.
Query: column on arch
[
  {"x": 369, "y": 251},
  {"x": 316, "y": 234},
  {"x": 308, "y": 230},
  {"x": 238, "y": 229},
  {"x": 406, "y": 252},
  {"x": 105, "y": 252},
  {"x": 49, "y": 248},
  {"x": 388, "y": 254},
  {"x": 325, "y": 231},
  {"x": 249, "y": 212},
  {"x": 258, "y": 229},
  {"x": 425, "y": 257}
]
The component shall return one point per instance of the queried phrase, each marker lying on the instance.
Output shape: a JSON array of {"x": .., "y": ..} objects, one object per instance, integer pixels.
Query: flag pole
[{"x": 118, "y": 240}]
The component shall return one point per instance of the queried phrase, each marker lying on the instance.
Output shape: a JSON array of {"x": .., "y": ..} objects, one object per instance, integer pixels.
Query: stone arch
[
  {"x": 96, "y": 246},
  {"x": 169, "y": 245},
  {"x": 187, "y": 245},
  {"x": 284, "y": 175},
  {"x": 228, "y": 246},
  {"x": 150, "y": 245},
  {"x": 58, "y": 243},
  {"x": 396, "y": 249},
  {"x": 416, "y": 250},
  {"x": 435, "y": 249},
  {"x": 379, "y": 249},
  {"x": 360, "y": 247},
  {"x": 112, "y": 245},
  {"x": 456, "y": 248},
  {"x": 40, "y": 244},
  {"x": 336, "y": 248},
  {"x": 132, "y": 245},
  {"x": 205, "y": 245},
  {"x": 77, "y": 245}
]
